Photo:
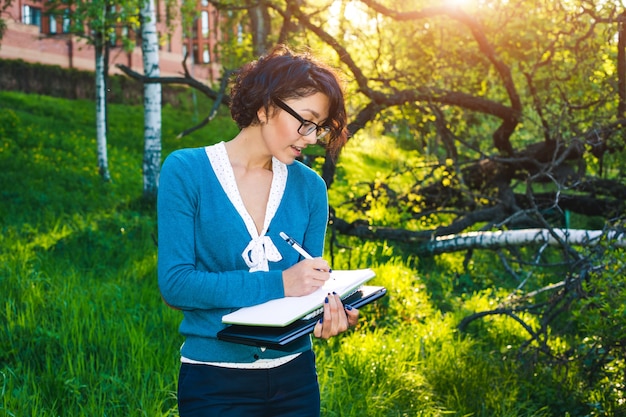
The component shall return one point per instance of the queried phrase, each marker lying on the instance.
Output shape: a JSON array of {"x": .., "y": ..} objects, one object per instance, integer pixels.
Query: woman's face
[{"x": 280, "y": 131}]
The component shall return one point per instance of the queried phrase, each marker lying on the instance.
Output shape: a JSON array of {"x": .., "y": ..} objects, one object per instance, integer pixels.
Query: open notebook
[
  {"x": 281, "y": 337},
  {"x": 283, "y": 311}
]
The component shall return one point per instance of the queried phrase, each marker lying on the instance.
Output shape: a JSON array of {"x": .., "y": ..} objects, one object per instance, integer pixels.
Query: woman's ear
[{"x": 261, "y": 114}]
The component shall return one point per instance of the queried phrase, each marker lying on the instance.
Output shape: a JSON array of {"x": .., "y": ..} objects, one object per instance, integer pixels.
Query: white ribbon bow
[{"x": 258, "y": 252}]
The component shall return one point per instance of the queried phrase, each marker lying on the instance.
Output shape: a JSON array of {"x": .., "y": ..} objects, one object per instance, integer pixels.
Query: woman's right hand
[{"x": 305, "y": 277}]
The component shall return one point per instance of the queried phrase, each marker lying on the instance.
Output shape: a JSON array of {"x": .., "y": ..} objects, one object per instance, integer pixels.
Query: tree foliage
[
  {"x": 4, "y": 4},
  {"x": 516, "y": 110},
  {"x": 516, "y": 103}
]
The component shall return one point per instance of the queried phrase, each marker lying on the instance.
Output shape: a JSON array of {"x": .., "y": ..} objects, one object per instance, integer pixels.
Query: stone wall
[{"x": 52, "y": 80}]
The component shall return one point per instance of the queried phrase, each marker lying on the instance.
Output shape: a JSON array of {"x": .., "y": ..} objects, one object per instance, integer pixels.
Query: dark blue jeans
[{"x": 290, "y": 390}]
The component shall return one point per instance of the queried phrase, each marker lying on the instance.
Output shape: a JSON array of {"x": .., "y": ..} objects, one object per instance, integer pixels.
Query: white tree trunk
[
  {"x": 101, "y": 107},
  {"x": 492, "y": 240},
  {"x": 151, "y": 101}
]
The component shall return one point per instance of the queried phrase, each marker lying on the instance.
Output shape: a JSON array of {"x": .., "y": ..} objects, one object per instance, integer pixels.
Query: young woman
[{"x": 221, "y": 209}]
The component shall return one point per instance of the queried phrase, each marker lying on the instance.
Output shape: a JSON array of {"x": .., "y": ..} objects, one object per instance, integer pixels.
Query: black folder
[{"x": 279, "y": 337}]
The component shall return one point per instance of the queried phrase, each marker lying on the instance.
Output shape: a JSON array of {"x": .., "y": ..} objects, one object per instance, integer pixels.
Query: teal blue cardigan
[{"x": 200, "y": 240}]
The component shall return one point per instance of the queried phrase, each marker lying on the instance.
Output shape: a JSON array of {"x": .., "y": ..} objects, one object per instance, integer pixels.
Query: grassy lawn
[{"x": 85, "y": 333}]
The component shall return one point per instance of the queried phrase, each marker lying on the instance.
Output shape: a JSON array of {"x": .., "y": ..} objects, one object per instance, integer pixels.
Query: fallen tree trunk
[{"x": 500, "y": 239}]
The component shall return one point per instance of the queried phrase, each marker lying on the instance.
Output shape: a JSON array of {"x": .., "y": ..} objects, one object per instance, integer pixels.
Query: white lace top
[{"x": 260, "y": 249}]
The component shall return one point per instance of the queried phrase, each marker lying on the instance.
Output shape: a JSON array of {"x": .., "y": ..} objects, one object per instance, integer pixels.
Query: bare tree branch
[
  {"x": 219, "y": 96},
  {"x": 216, "y": 104},
  {"x": 187, "y": 79}
]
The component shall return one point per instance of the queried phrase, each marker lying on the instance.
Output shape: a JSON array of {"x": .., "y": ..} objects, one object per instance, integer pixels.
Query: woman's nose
[{"x": 311, "y": 138}]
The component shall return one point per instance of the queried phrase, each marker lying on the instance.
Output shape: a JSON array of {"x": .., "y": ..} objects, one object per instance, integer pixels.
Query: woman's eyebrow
[{"x": 313, "y": 112}]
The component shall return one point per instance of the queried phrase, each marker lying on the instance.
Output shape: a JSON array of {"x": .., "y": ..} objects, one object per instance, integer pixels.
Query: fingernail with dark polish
[{"x": 348, "y": 307}]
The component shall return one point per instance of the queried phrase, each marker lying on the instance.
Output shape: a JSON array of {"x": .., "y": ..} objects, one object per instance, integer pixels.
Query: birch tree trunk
[
  {"x": 101, "y": 107},
  {"x": 493, "y": 240},
  {"x": 151, "y": 101}
]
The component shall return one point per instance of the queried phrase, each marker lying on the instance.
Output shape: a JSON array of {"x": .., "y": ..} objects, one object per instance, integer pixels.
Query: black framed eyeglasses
[{"x": 306, "y": 126}]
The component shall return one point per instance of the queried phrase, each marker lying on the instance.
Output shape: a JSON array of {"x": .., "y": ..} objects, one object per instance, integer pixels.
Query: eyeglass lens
[{"x": 306, "y": 126}]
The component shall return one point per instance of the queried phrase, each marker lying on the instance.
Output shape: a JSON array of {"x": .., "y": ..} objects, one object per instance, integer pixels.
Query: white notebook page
[{"x": 283, "y": 311}]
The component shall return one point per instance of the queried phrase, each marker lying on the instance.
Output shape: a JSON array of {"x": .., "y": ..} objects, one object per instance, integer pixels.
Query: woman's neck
[{"x": 246, "y": 151}]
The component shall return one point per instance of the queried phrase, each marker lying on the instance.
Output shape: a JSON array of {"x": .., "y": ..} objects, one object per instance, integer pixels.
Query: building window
[
  {"x": 206, "y": 56},
  {"x": 31, "y": 15},
  {"x": 66, "y": 21},
  {"x": 53, "y": 24},
  {"x": 205, "y": 24}
]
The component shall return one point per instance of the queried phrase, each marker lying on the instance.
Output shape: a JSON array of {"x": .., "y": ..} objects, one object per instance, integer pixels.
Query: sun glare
[
  {"x": 457, "y": 3},
  {"x": 355, "y": 10}
]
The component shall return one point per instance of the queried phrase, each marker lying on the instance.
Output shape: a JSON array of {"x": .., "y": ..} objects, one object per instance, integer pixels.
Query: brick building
[{"x": 35, "y": 35}]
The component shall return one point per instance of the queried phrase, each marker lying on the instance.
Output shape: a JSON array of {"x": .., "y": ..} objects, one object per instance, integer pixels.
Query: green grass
[{"x": 85, "y": 333}]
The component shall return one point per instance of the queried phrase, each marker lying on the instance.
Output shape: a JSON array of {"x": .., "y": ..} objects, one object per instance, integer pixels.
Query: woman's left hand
[{"x": 337, "y": 318}]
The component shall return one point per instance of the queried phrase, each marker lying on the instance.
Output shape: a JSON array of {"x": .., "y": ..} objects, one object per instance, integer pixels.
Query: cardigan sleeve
[{"x": 183, "y": 285}]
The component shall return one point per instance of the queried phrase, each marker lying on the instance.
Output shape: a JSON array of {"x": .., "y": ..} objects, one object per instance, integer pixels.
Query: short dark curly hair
[{"x": 283, "y": 75}]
